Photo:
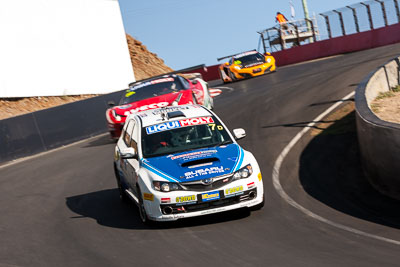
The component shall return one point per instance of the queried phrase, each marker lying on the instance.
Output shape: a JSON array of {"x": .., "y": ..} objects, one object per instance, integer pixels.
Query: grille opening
[{"x": 199, "y": 162}]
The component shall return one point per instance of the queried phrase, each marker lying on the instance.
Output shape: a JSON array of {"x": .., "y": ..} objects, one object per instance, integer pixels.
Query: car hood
[
  {"x": 149, "y": 103},
  {"x": 197, "y": 164}
]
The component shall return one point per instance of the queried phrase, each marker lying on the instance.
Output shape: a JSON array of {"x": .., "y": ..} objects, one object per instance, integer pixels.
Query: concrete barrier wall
[
  {"x": 379, "y": 140},
  {"x": 43, "y": 130}
]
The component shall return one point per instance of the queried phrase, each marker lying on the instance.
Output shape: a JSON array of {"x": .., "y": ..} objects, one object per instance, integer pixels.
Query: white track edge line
[{"x": 289, "y": 200}]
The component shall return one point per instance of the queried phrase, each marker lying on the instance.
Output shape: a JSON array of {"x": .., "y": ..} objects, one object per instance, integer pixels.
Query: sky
[{"x": 186, "y": 33}]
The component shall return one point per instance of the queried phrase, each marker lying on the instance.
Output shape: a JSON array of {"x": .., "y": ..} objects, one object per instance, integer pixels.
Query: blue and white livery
[{"x": 182, "y": 161}]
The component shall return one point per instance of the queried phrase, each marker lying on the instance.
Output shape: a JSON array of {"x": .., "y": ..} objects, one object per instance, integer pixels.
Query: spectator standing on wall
[{"x": 282, "y": 21}]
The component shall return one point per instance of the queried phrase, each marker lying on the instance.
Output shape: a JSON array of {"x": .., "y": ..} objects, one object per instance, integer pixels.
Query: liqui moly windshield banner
[{"x": 178, "y": 124}]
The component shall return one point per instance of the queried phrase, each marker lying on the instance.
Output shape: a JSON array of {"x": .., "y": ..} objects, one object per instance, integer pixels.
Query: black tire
[
  {"x": 142, "y": 211},
  {"x": 232, "y": 76},
  {"x": 258, "y": 206}
]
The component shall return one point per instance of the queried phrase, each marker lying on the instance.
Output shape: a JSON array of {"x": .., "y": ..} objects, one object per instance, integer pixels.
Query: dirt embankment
[{"x": 145, "y": 64}]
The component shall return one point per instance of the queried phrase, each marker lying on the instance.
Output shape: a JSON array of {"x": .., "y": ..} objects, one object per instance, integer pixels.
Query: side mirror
[
  {"x": 128, "y": 153},
  {"x": 239, "y": 133},
  {"x": 111, "y": 103},
  {"x": 195, "y": 81}
]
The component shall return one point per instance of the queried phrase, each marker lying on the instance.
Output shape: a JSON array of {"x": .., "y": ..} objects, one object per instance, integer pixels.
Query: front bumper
[
  {"x": 255, "y": 71},
  {"x": 115, "y": 130},
  {"x": 232, "y": 196}
]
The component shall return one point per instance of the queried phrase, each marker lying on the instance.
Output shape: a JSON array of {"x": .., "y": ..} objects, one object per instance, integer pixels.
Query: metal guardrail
[
  {"x": 360, "y": 17},
  {"x": 289, "y": 34}
]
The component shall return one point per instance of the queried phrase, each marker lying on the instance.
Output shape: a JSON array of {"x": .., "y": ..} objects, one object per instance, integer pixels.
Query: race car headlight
[
  {"x": 115, "y": 115},
  {"x": 243, "y": 173},
  {"x": 269, "y": 60},
  {"x": 166, "y": 186},
  {"x": 237, "y": 67}
]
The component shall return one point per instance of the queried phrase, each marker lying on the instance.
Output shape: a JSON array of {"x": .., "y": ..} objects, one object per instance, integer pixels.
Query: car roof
[{"x": 172, "y": 113}]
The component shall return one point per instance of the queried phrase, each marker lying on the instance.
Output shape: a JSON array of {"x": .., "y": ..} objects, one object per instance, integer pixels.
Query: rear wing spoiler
[
  {"x": 221, "y": 58},
  {"x": 181, "y": 72}
]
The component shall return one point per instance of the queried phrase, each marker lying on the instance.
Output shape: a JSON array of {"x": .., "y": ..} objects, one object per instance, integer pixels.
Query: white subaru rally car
[{"x": 179, "y": 162}]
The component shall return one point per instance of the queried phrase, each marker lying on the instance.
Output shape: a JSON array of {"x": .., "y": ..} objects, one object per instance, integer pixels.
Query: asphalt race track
[{"x": 62, "y": 208}]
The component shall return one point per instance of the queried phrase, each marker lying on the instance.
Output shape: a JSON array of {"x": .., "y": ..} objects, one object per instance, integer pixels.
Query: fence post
[
  {"x": 263, "y": 41},
  {"x": 396, "y": 5},
  {"x": 341, "y": 21},
  {"x": 355, "y": 18},
  {"x": 297, "y": 34},
  {"x": 383, "y": 11},
  {"x": 312, "y": 28},
  {"x": 328, "y": 26},
  {"x": 371, "y": 23}
]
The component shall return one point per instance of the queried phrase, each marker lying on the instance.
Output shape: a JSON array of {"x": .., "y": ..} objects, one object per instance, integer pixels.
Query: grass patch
[
  {"x": 375, "y": 107},
  {"x": 396, "y": 89},
  {"x": 384, "y": 95}
]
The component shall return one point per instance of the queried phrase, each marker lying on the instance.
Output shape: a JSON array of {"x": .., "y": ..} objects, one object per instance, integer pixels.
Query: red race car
[{"x": 157, "y": 92}]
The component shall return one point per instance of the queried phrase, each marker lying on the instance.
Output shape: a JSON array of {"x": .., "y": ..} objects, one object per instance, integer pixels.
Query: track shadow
[
  {"x": 106, "y": 208},
  {"x": 299, "y": 124},
  {"x": 333, "y": 175},
  {"x": 331, "y": 102}
]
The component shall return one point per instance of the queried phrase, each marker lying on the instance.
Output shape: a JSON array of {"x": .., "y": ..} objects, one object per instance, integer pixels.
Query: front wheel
[
  {"x": 232, "y": 76},
  {"x": 142, "y": 211}
]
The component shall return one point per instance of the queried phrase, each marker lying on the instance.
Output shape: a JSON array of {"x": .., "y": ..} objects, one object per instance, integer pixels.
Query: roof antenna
[{"x": 164, "y": 114}]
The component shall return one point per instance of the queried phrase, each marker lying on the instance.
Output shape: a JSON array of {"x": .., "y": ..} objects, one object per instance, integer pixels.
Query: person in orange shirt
[{"x": 282, "y": 20}]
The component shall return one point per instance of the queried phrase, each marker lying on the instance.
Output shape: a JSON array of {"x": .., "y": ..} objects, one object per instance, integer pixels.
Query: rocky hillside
[{"x": 145, "y": 64}]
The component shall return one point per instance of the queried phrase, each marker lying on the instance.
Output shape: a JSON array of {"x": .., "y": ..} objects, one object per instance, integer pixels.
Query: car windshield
[
  {"x": 150, "y": 89},
  {"x": 157, "y": 140},
  {"x": 250, "y": 59}
]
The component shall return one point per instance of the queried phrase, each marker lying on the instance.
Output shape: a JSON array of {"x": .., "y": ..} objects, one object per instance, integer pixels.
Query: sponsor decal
[
  {"x": 163, "y": 127},
  {"x": 165, "y": 200},
  {"x": 251, "y": 185},
  {"x": 147, "y": 196},
  {"x": 146, "y": 107},
  {"x": 194, "y": 155},
  {"x": 210, "y": 196},
  {"x": 196, "y": 121},
  {"x": 237, "y": 190},
  {"x": 169, "y": 109},
  {"x": 205, "y": 171},
  {"x": 191, "y": 198},
  {"x": 177, "y": 124}
]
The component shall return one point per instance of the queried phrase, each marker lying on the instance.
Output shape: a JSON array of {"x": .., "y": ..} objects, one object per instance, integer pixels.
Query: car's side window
[
  {"x": 134, "y": 137},
  {"x": 124, "y": 134},
  {"x": 128, "y": 132},
  {"x": 184, "y": 82}
]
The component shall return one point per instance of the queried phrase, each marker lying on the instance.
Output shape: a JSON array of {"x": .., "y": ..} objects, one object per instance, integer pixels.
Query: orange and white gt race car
[{"x": 246, "y": 65}]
